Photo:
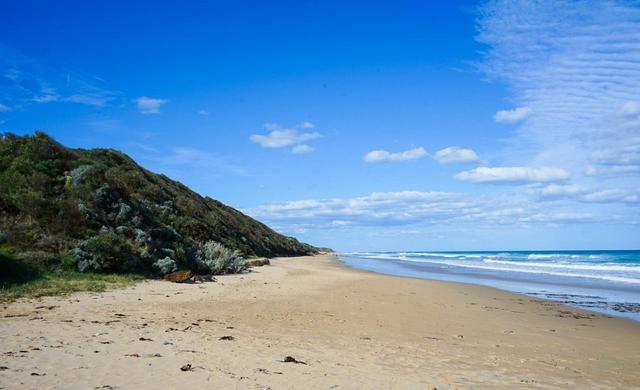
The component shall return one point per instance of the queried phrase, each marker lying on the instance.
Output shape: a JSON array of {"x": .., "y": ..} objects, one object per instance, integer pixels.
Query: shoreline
[
  {"x": 610, "y": 290},
  {"x": 498, "y": 289},
  {"x": 353, "y": 329}
]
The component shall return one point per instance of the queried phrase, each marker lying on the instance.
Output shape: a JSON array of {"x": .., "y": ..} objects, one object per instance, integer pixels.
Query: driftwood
[{"x": 257, "y": 262}]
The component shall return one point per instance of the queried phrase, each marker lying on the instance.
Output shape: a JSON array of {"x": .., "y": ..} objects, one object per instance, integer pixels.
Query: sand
[{"x": 353, "y": 330}]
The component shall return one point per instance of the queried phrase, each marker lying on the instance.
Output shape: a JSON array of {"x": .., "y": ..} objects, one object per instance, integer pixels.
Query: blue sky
[{"x": 361, "y": 126}]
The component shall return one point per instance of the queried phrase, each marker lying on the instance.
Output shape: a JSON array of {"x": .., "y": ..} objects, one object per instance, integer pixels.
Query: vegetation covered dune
[{"x": 97, "y": 211}]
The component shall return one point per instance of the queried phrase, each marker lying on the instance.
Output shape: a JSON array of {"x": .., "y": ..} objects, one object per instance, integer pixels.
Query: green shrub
[
  {"x": 39, "y": 258},
  {"x": 68, "y": 261},
  {"x": 105, "y": 252}
]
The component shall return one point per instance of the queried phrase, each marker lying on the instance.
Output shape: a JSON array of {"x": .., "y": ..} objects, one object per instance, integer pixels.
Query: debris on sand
[
  {"x": 188, "y": 277},
  {"x": 144, "y": 355},
  {"x": 51, "y": 307},
  {"x": 257, "y": 262},
  {"x": 203, "y": 278},
  {"x": 291, "y": 359},
  {"x": 186, "y": 367},
  {"x": 267, "y": 372},
  {"x": 179, "y": 276},
  {"x": 229, "y": 338}
]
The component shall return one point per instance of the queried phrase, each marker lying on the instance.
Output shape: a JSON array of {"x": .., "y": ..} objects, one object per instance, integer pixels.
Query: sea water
[{"x": 602, "y": 281}]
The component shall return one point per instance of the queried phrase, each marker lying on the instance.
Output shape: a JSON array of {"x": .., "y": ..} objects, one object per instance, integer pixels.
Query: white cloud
[
  {"x": 306, "y": 125},
  {"x": 282, "y": 138},
  {"x": 555, "y": 190},
  {"x": 512, "y": 116},
  {"x": 89, "y": 99},
  {"x": 559, "y": 217},
  {"x": 88, "y": 96},
  {"x": 148, "y": 105},
  {"x": 512, "y": 175},
  {"x": 341, "y": 223},
  {"x": 614, "y": 170},
  {"x": 378, "y": 156},
  {"x": 302, "y": 149},
  {"x": 630, "y": 108},
  {"x": 279, "y": 137},
  {"x": 454, "y": 154},
  {"x": 380, "y": 207},
  {"x": 617, "y": 159},
  {"x": 46, "y": 97},
  {"x": 26, "y": 82},
  {"x": 628, "y": 154},
  {"x": 574, "y": 192},
  {"x": 612, "y": 196},
  {"x": 415, "y": 208},
  {"x": 576, "y": 65},
  {"x": 203, "y": 112},
  {"x": 4, "y": 108}
]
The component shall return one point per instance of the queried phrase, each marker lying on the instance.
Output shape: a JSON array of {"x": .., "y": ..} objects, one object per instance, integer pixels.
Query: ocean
[{"x": 603, "y": 281}]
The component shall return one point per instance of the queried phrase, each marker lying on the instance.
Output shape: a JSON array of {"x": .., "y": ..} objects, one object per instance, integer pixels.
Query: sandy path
[{"x": 353, "y": 329}]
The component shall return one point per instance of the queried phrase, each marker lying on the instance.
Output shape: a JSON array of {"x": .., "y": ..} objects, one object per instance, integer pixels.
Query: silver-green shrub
[
  {"x": 77, "y": 175},
  {"x": 214, "y": 258},
  {"x": 124, "y": 211},
  {"x": 165, "y": 266},
  {"x": 141, "y": 236}
]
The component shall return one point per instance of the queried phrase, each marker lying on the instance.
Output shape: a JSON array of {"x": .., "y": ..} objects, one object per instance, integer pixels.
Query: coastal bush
[
  {"x": 141, "y": 236},
  {"x": 214, "y": 258},
  {"x": 105, "y": 252},
  {"x": 68, "y": 261},
  {"x": 39, "y": 258},
  {"x": 165, "y": 266},
  {"x": 124, "y": 212},
  {"x": 54, "y": 202},
  {"x": 78, "y": 174},
  {"x": 83, "y": 260}
]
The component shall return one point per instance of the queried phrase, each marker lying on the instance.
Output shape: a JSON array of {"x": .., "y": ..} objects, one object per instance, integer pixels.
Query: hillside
[{"x": 97, "y": 210}]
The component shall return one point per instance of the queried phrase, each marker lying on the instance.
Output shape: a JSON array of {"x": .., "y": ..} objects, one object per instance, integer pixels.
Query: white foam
[
  {"x": 476, "y": 265},
  {"x": 590, "y": 267}
]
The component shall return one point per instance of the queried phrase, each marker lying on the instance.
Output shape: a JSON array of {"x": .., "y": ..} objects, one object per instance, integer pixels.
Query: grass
[{"x": 19, "y": 280}]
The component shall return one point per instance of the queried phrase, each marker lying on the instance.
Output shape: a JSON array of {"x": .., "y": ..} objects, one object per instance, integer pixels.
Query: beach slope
[{"x": 340, "y": 327}]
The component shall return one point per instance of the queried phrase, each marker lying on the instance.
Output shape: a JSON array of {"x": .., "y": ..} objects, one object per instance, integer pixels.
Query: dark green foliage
[
  {"x": 97, "y": 210},
  {"x": 107, "y": 251},
  {"x": 15, "y": 271}
]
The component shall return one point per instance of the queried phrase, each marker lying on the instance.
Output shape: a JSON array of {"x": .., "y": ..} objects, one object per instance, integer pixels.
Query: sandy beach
[{"x": 347, "y": 329}]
